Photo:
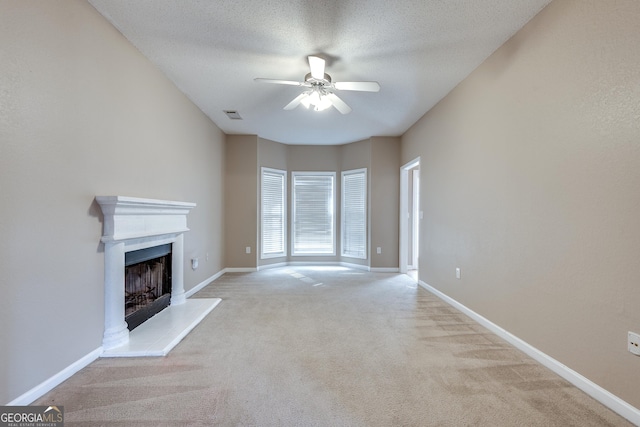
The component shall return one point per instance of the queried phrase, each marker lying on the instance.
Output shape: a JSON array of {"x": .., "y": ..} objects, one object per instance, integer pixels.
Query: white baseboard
[
  {"x": 49, "y": 384},
  {"x": 329, "y": 264},
  {"x": 240, "y": 270},
  {"x": 312, "y": 263},
  {"x": 356, "y": 266},
  {"x": 305, "y": 264},
  {"x": 202, "y": 284},
  {"x": 274, "y": 265},
  {"x": 603, "y": 396}
]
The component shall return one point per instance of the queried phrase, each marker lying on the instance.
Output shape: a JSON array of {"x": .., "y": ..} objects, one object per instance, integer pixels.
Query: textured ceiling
[{"x": 418, "y": 50}]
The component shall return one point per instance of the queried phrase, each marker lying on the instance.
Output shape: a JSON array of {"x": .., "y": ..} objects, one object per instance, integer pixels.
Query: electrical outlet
[
  {"x": 633, "y": 343},
  {"x": 457, "y": 272},
  {"x": 194, "y": 263},
  {"x": 207, "y": 256},
  {"x": 378, "y": 250},
  {"x": 247, "y": 249}
]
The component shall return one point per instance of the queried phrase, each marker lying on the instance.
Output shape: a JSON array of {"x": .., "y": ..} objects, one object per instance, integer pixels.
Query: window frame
[
  {"x": 283, "y": 174},
  {"x": 343, "y": 212},
  {"x": 331, "y": 174}
]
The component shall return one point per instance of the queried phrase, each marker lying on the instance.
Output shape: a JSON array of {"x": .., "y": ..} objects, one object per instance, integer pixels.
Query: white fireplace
[{"x": 131, "y": 224}]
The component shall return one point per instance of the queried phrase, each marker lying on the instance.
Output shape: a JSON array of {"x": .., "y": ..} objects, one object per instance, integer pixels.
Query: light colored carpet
[{"x": 328, "y": 347}]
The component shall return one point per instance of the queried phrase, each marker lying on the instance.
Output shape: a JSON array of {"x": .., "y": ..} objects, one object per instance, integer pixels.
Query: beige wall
[
  {"x": 385, "y": 200},
  {"x": 241, "y": 201},
  {"x": 530, "y": 173},
  {"x": 314, "y": 157},
  {"x": 356, "y": 155},
  {"x": 82, "y": 113},
  {"x": 273, "y": 155}
]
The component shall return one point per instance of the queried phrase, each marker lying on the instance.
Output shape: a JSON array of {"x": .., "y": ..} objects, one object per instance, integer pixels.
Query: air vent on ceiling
[{"x": 232, "y": 114}]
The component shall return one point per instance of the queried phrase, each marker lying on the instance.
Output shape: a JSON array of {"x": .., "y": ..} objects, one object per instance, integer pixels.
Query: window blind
[
  {"x": 313, "y": 213},
  {"x": 274, "y": 223},
  {"x": 354, "y": 213}
]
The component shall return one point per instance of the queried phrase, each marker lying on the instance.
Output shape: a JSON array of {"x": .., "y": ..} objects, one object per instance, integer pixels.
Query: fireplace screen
[{"x": 147, "y": 283}]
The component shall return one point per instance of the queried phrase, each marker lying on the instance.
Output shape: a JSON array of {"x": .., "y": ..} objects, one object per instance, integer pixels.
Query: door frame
[
  {"x": 404, "y": 211},
  {"x": 415, "y": 218}
]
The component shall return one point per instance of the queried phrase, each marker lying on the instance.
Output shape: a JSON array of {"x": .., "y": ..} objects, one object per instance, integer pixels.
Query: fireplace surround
[{"x": 131, "y": 224}]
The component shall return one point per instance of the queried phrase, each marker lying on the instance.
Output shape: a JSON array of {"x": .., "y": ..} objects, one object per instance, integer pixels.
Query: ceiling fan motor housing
[{"x": 308, "y": 77}]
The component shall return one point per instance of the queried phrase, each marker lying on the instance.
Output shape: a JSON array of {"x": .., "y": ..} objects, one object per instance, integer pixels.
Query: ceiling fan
[{"x": 320, "y": 93}]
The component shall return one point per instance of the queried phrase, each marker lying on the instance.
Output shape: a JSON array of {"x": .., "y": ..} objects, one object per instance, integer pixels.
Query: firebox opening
[{"x": 147, "y": 283}]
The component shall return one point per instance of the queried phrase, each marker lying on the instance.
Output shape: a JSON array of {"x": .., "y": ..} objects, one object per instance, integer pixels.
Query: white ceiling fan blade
[
  {"x": 280, "y": 82},
  {"x": 317, "y": 67},
  {"x": 293, "y": 104},
  {"x": 360, "y": 86},
  {"x": 339, "y": 103}
]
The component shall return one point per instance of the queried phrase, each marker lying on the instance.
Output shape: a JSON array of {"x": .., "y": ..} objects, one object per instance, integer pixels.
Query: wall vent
[{"x": 232, "y": 114}]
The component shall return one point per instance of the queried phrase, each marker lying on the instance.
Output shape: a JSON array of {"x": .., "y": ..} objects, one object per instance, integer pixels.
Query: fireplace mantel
[
  {"x": 130, "y": 224},
  {"x": 135, "y": 218}
]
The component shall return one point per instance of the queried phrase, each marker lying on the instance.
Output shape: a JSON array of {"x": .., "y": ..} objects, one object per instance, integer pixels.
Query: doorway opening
[{"x": 410, "y": 215}]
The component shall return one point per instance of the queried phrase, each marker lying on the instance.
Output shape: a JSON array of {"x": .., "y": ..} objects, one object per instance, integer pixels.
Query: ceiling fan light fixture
[
  {"x": 316, "y": 98},
  {"x": 323, "y": 103},
  {"x": 320, "y": 89},
  {"x": 306, "y": 102}
]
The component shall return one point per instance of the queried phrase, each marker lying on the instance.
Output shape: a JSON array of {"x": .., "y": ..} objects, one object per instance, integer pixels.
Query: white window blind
[
  {"x": 273, "y": 209},
  {"x": 354, "y": 213},
  {"x": 313, "y": 213}
]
